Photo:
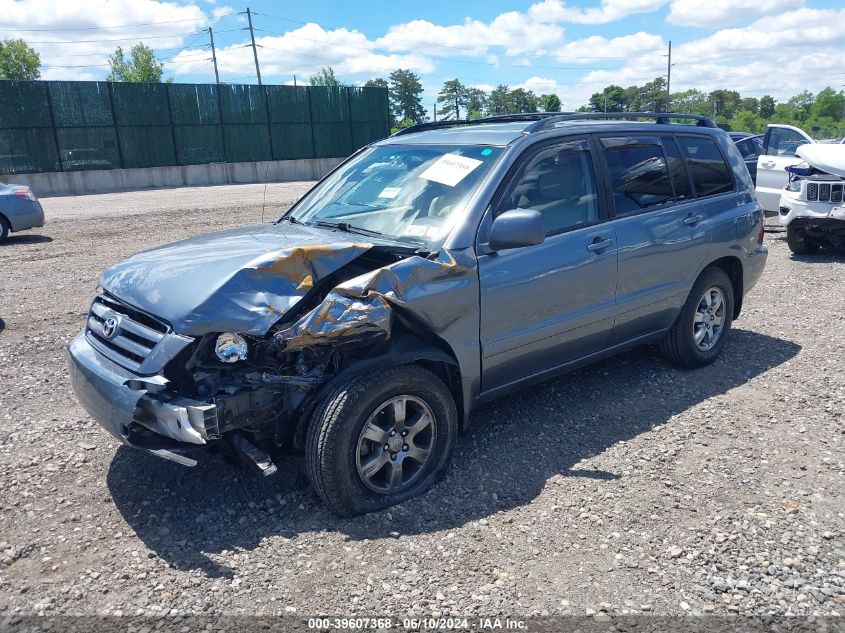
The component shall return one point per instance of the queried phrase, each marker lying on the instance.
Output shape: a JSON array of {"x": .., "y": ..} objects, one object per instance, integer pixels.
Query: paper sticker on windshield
[
  {"x": 450, "y": 169},
  {"x": 390, "y": 192}
]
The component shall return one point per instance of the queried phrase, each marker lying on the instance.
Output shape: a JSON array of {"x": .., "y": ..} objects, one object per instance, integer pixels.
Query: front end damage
[
  {"x": 813, "y": 202},
  {"x": 336, "y": 318}
]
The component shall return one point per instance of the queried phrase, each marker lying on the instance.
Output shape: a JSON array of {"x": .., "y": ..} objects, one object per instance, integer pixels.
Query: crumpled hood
[{"x": 242, "y": 280}]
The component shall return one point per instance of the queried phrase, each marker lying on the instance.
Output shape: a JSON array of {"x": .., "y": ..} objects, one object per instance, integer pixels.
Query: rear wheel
[
  {"x": 701, "y": 329},
  {"x": 4, "y": 228},
  {"x": 799, "y": 243},
  {"x": 381, "y": 438}
]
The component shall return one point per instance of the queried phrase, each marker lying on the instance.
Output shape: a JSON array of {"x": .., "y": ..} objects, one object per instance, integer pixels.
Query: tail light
[{"x": 26, "y": 194}]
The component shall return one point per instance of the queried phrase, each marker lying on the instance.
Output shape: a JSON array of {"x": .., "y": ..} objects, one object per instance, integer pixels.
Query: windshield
[{"x": 405, "y": 192}]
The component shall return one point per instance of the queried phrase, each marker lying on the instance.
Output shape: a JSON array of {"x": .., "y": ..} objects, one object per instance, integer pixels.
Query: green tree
[
  {"x": 406, "y": 97},
  {"x": 453, "y": 96},
  {"x": 691, "y": 102},
  {"x": 802, "y": 104},
  {"x": 18, "y": 61},
  {"x": 550, "y": 103},
  {"x": 767, "y": 107},
  {"x": 498, "y": 100},
  {"x": 749, "y": 104},
  {"x": 377, "y": 82},
  {"x": 611, "y": 99},
  {"x": 748, "y": 121},
  {"x": 142, "y": 66},
  {"x": 476, "y": 103},
  {"x": 829, "y": 103},
  {"x": 326, "y": 78},
  {"x": 522, "y": 100},
  {"x": 725, "y": 102}
]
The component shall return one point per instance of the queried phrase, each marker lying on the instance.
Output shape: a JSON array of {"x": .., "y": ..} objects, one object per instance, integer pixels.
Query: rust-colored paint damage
[{"x": 362, "y": 308}]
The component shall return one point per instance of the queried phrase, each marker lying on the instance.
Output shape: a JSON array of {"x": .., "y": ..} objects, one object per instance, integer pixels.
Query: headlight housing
[{"x": 230, "y": 347}]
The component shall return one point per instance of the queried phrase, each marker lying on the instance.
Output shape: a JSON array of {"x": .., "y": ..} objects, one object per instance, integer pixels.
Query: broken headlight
[{"x": 230, "y": 347}]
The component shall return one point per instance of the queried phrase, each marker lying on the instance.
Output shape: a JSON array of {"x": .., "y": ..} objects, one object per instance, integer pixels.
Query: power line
[
  {"x": 128, "y": 39},
  {"x": 101, "y": 28}
]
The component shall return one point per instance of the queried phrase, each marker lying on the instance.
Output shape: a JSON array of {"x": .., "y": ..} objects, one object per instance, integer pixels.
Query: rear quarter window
[{"x": 710, "y": 174}]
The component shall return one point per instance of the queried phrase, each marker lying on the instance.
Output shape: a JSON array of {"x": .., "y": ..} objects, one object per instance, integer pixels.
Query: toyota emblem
[{"x": 110, "y": 327}]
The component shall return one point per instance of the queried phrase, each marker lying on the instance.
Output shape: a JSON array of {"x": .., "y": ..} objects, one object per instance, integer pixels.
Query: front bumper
[
  {"x": 793, "y": 208},
  {"x": 138, "y": 410}
]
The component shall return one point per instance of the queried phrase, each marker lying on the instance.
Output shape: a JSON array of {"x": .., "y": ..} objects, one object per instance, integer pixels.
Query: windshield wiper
[{"x": 348, "y": 228}]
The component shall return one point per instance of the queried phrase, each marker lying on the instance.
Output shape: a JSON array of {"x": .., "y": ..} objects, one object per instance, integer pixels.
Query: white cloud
[
  {"x": 303, "y": 52},
  {"x": 82, "y": 53},
  {"x": 716, "y": 13},
  {"x": 591, "y": 49},
  {"x": 609, "y": 11},
  {"x": 779, "y": 55}
]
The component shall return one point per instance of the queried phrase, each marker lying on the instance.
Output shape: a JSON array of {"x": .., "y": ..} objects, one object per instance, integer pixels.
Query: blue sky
[{"x": 777, "y": 47}]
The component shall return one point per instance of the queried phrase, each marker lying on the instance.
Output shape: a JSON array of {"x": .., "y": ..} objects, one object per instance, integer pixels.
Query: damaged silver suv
[{"x": 430, "y": 272}]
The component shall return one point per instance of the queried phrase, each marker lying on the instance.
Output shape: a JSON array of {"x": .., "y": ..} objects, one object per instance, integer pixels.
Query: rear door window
[
  {"x": 639, "y": 173},
  {"x": 711, "y": 175}
]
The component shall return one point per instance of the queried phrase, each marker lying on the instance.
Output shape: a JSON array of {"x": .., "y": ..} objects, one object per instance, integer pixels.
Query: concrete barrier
[{"x": 111, "y": 180}]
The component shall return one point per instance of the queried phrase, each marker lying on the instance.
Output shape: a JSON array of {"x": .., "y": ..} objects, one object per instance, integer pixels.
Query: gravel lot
[{"x": 626, "y": 487}]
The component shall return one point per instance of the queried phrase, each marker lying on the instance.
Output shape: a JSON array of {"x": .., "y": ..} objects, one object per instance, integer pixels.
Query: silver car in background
[{"x": 19, "y": 210}]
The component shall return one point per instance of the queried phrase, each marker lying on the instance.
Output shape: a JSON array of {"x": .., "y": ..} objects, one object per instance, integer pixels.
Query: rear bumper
[
  {"x": 28, "y": 216},
  {"x": 138, "y": 410},
  {"x": 753, "y": 266}
]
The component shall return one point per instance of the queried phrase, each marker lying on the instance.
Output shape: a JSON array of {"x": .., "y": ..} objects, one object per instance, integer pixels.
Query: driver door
[
  {"x": 543, "y": 306},
  {"x": 779, "y": 147}
]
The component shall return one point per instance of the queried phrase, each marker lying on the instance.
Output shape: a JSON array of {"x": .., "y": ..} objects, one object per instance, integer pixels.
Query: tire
[
  {"x": 345, "y": 464},
  {"x": 680, "y": 345},
  {"x": 798, "y": 243},
  {"x": 4, "y": 229}
]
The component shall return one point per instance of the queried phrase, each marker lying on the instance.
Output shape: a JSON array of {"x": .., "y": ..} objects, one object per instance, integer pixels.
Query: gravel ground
[{"x": 627, "y": 487}]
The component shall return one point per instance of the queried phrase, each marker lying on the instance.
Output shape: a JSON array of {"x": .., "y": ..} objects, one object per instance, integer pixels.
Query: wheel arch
[
  {"x": 404, "y": 348},
  {"x": 733, "y": 268}
]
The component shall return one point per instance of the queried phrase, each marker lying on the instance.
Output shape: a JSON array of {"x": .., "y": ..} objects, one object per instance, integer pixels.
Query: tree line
[{"x": 821, "y": 114}]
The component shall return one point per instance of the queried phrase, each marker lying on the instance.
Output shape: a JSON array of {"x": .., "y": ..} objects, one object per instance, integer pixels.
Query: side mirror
[{"x": 517, "y": 228}]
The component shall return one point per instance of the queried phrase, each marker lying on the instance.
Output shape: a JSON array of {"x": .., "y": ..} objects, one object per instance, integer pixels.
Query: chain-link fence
[{"x": 75, "y": 125}]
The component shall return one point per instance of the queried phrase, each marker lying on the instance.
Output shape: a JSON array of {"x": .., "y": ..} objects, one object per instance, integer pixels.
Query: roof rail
[
  {"x": 659, "y": 117},
  {"x": 498, "y": 118},
  {"x": 546, "y": 120}
]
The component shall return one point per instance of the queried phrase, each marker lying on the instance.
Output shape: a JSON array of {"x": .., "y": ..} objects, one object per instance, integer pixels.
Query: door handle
[
  {"x": 600, "y": 245},
  {"x": 768, "y": 163},
  {"x": 692, "y": 220}
]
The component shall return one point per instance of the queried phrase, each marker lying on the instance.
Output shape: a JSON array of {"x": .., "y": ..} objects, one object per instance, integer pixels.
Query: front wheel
[
  {"x": 701, "y": 329},
  {"x": 798, "y": 242},
  {"x": 381, "y": 438},
  {"x": 4, "y": 229}
]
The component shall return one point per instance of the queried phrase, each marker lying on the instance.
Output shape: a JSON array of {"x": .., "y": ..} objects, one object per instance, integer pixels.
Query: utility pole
[
  {"x": 434, "y": 109},
  {"x": 254, "y": 49},
  {"x": 669, "y": 80},
  {"x": 214, "y": 56}
]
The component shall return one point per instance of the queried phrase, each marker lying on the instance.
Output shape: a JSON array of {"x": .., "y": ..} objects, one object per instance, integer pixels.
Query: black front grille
[
  {"x": 836, "y": 193},
  {"x": 812, "y": 191}
]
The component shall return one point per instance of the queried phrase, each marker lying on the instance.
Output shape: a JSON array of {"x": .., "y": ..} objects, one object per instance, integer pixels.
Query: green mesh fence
[{"x": 69, "y": 126}]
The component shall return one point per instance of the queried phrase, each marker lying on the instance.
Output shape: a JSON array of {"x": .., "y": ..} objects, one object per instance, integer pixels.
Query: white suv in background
[{"x": 779, "y": 147}]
